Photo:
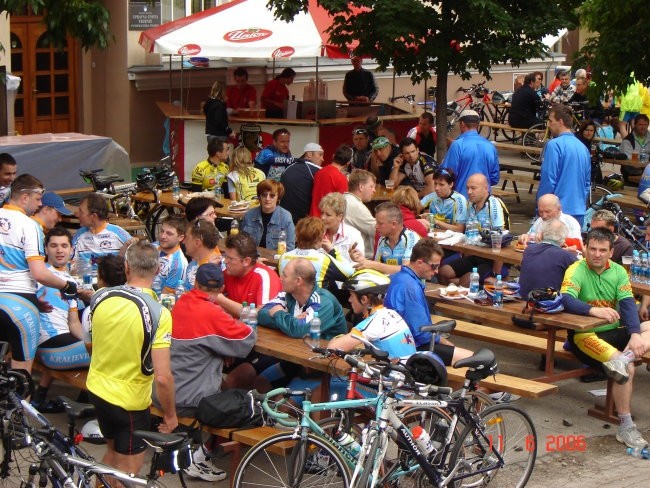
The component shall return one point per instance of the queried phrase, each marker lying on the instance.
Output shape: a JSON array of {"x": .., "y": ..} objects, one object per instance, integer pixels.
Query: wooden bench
[
  {"x": 506, "y": 146},
  {"x": 66, "y": 192},
  {"x": 515, "y": 178},
  {"x": 498, "y": 192}
]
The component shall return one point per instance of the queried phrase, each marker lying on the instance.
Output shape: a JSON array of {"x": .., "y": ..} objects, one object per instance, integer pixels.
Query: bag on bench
[{"x": 230, "y": 408}]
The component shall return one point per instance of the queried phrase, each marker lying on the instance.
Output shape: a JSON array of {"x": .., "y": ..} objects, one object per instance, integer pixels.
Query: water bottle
[
  {"x": 532, "y": 236},
  {"x": 474, "y": 283},
  {"x": 639, "y": 452},
  {"x": 234, "y": 227},
  {"x": 217, "y": 192},
  {"x": 94, "y": 268},
  {"x": 243, "y": 313},
  {"x": 497, "y": 299},
  {"x": 422, "y": 439},
  {"x": 87, "y": 273},
  {"x": 156, "y": 286},
  {"x": 470, "y": 229},
  {"x": 643, "y": 154},
  {"x": 180, "y": 289},
  {"x": 314, "y": 328},
  {"x": 476, "y": 233},
  {"x": 636, "y": 265},
  {"x": 176, "y": 188},
  {"x": 643, "y": 272},
  {"x": 282, "y": 242},
  {"x": 252, "y": 316},
  {"x": 349, "y": 442}
]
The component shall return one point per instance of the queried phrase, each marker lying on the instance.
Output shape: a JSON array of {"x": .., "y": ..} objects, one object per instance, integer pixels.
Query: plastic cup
[
  {"x": 627, "y": 263},
  {"x": 390, "y": 185},
  {"x": 496, "y": 242},
  {"x": 635, "y": 156}
]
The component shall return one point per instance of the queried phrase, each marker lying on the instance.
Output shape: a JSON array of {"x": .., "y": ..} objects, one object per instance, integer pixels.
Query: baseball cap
[
  {"x": 470, "y": 115},
  {"x": 380, "y": 143},
  {"x": 312, "y": 146},
  {"x": 210, "y": 275},
  {"x": 372, "y": 122},
  {"x": 51, "y": 199}
]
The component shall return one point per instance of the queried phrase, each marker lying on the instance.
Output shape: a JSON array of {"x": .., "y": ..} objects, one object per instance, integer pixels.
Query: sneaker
[
  {"x": 617, "y": 370},
  {"x": 504, "y": 397},
  {"x": 205, "y": 472},
  {"x": 631, "y": 437}
]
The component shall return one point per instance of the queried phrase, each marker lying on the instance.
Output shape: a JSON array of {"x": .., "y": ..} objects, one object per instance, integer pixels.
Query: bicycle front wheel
[
  {"x": 534, "y": 140},
  {"x": 272, "y": 463},
  {"x": 502, "y": 448}
]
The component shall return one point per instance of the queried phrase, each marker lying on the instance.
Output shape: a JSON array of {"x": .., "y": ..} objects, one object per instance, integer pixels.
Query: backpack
[{"x": 230, "y": 408}]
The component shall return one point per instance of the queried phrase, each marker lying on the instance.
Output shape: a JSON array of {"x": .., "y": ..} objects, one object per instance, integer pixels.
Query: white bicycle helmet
[
  {"x": 91, "y": 433},
  {"x": 367, "y": 281}
]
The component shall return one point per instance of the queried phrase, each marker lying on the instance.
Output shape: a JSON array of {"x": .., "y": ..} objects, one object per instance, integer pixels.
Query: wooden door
[{"x": 45, "y": 101}]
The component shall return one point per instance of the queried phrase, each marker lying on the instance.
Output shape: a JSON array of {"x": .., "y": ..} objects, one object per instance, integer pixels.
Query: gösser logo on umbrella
[
  {"x": 247, "y": 35},
  {"x": 283, "y": 52},
  {"x": 189, "y": 49}
]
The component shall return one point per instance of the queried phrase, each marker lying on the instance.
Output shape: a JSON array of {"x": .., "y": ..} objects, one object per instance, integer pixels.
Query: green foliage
[
  {"x": 86, "y": 20},
  {"x": 619, "y": 46},
  {"x": 415, "y": 36}
]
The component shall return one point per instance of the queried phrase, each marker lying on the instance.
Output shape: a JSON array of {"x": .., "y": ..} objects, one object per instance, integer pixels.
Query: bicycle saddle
[
  {"x": 108, "y": 179},
  {"x": 76, "y": 409},
  {"x": 481, "y": 364},
  {"x": 440, "y": 327},
  {"x": 160, "y": 440},
  {"x": 89, "y": 172}
]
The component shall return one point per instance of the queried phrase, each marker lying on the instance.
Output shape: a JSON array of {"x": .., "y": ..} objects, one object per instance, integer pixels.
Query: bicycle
[
  {"x": 499, "y": 443},
  {"x": 474, "y": 98}
]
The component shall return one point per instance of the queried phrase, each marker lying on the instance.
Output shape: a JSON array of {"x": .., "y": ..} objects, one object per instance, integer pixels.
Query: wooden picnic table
[
  {"x": 629, "y": 201},
  {"x": 508, "y": 254},
  {"x": 466, "y": 308}
]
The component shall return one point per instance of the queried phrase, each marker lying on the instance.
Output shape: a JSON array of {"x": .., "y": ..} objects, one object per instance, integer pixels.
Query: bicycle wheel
[
  {"x": 535, "y": 137},
  {"x": 485, "y": 116},
  {"x": 475, "y": 401},
  {"x": 16, "y": 453},
  {"x": 268, "y": 464},
  {"x": 369, "y": 458},
  {"x": 505, "y": 432},
  {"x": 513, "y": 136}
]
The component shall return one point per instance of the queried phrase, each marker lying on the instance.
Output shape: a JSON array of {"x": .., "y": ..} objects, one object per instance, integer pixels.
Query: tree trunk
[{"x": 441, "y": 114}]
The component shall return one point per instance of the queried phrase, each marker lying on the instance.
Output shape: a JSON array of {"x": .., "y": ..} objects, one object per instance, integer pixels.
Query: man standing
[
  {"x": 172, "y": 260},
  {"x": 52, "y": 208},
  {"x": 331, "y": 178},
  {"x": 246, "y": 279},
  {"x": 566, "y": 165},
  {"x": 293, "y": 309},
  {"x": 298, "y": 181},
  {"x": 241, "y": 94},
  {"x": 413, "y": 168},
  {"x": 525, "y": 102},
  {"x": 471, "y": 153},
  {"x": 275, "y": 158},
  {"x": 97, "y": 237},
  {"x": 212, "y": 171},
  {"x": 395, "y": 242},
  {"x": 488, "y": 211},
  {"x": 424, "y": 134},
  {"x": 361, "y": 150},
  {"x": 598, "y": 287},
  {"x": 382, "y": 158},
  {"x": 21, "y": 266},
  {"x": 8, "y": 169},
  {"x": 622, "y": 247},
  {"x": 359, "y": 84},
  {"x": 276, "y": 93},
  {"x": 405, "y": 295},
  {"x": 361, "y": 188},
  {"x": 549, "y": 207},
  {"x": 131, "y": 337}
]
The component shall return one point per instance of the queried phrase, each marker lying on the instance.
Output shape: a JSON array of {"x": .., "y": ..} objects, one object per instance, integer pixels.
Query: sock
[
  {"x": 199, "y": 456},
  {"x": 627, "y": 357},
  {"x": 626, "y": 420},
  {"x": 40, "y": 395}
]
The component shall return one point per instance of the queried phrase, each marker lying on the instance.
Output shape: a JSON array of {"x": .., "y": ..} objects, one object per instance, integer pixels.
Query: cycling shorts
[
  {"x": 20, "y": 324},
  {"x": 594, "y": 348},
  {"x": 64, "y": 351}
]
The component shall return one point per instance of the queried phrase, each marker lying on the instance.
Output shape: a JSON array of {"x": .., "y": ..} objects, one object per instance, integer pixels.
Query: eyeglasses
[
  {"x": 359, "y": 131},
  {"x": 209, "y": 213},
  {"x": 40, "y": 191},
  {"x": 434, "y": 267},
  {"x": 268, "y": 195},
  {"x": 231, "y": 258}
]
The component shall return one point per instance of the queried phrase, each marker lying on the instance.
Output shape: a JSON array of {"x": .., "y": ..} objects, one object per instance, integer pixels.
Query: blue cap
[{"x": 51, "y": 199}]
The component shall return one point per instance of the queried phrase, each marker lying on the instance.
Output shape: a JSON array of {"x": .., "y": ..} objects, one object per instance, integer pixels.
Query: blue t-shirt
[
  {"x": 490, "y": 216},
  {"x": 387, "y": 331},
  {"x": 452, "y": 210},
  {"x": 402, "y": 250}
]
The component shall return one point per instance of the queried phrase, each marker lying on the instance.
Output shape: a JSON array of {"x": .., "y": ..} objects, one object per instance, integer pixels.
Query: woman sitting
[
  {"x": 265, "y": 222},
  {"x": 243, "y": 177},
  {"x": 338, "y": 234},
  {"x": 448, "y": 207},
  {"x": 406, "y": 198},
  {"x": 586, "y": 133},
  {"x": 330, "y": 266}
]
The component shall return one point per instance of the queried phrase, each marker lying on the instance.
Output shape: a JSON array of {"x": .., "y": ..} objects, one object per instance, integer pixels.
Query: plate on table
[
  {"x": 240, "y": 206},
  {"x": 510, "y": 290},
  {"x": 438, "y": 235},
  {"x": 519, "y": 247},
  {"x": 461, "y": 293}
]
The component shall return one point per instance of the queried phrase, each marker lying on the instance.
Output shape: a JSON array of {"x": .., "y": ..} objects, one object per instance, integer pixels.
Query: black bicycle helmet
[
  {"x": 614, "y": 182},
  {"x": 426, "y": 367},
  {"x": 367, "y": 281},
  {"x": 145, "y": 180},
  {"x": 612, "y": 152},
  {"x": 165, "y": 179}
]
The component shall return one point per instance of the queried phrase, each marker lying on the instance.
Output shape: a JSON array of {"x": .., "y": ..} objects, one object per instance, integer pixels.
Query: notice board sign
[{"x": 143, "y": 15}]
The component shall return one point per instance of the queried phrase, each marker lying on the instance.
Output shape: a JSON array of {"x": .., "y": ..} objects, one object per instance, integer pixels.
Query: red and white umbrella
[{"x": 245, "y": 29}]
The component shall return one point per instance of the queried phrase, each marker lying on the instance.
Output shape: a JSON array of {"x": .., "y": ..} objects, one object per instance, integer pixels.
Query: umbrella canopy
[{"x": 245, "y": 29}]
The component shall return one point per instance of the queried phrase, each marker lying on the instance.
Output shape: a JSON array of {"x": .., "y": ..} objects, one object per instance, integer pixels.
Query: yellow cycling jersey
[{"x": 208, "y": 175}]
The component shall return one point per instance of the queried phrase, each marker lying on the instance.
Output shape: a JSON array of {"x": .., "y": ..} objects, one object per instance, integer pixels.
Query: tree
[
  {"x": 421, "y": 38},
  {"x": 85, "y": 20},
  {"x": 619, "y": 46}
]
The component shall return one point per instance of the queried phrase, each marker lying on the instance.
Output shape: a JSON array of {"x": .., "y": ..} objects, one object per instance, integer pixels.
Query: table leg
[{"x": 606, "y": 412}]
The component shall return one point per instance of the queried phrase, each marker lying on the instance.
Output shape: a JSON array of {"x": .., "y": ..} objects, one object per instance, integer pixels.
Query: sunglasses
[
  {"x": 434, "y": 267},
  {"x": 40, "y": 191},
  {"x": 268, "y": 195},
  {"x": 360, "y": 131}
]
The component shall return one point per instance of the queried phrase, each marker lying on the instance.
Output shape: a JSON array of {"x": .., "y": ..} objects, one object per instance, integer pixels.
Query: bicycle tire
[
  {"x": 536, "y": 136},
  {"x": 368, "y": 458},
  {"x": 475, "y": 401},
  {"x": 265, "y": 464},
  {"x": 512, "y": 136},
  {"x": 507, "y": 430}
]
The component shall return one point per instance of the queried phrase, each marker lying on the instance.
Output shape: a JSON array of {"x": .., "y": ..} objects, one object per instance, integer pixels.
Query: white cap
[
  {"x": 312, "y": 147},
  {"x": 468, "y": 113}
]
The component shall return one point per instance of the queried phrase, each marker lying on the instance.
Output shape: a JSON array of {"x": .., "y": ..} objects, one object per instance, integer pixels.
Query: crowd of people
[{"x": 336, "y": 253}]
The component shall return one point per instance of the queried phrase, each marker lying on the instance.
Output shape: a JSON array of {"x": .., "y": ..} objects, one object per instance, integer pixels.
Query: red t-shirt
[
  {"x": 258, "y": 286},
  {"x": 411, "y": 222},
  {"x": 329, "y": 179},
  {"x": 236, "y": 98},
  {"x": 277, "y": 91}
]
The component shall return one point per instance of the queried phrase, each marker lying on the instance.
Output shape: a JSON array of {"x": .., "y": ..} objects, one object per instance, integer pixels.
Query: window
[{"x": 177, "y": 9}]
